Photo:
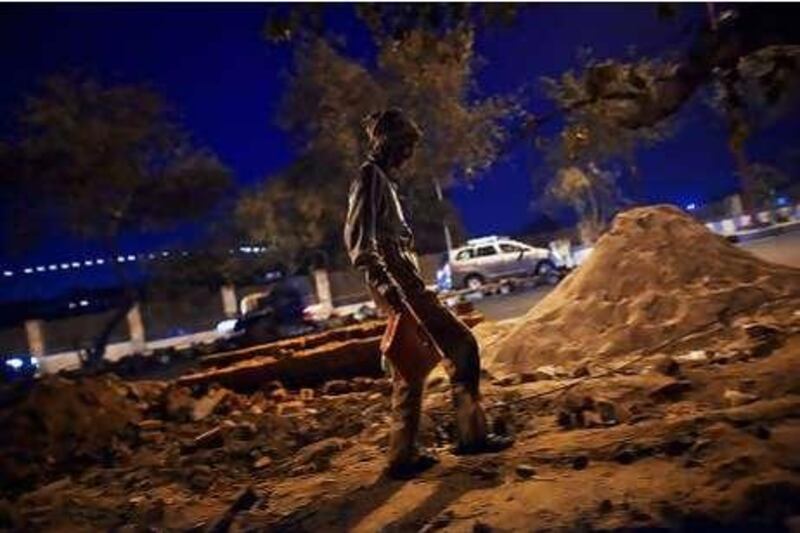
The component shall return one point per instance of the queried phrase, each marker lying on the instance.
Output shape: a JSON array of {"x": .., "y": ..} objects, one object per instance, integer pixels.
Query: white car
[{"x": 493, "y": 258}]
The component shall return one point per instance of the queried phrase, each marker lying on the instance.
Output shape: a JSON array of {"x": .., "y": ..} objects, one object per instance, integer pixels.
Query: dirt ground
[
  {"x": 682, "y": 442},
  {"x": 697, "y": 431}
]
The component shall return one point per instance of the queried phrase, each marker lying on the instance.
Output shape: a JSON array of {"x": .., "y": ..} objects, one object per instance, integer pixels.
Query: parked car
[{"x": 488, "y": 259}]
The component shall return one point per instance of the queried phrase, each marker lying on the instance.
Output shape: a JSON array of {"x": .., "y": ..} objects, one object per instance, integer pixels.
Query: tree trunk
[
  {"x": 591, "y": 220},
  {"x": 738, "y": 132},
  {"x": 96, "y": 353}
]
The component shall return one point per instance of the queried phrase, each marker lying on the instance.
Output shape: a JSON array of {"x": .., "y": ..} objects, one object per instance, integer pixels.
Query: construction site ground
[{"x": 692, "y": 430}]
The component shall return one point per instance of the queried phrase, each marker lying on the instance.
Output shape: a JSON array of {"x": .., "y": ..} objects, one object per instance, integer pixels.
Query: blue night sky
[{"x": 212, "y": 64}]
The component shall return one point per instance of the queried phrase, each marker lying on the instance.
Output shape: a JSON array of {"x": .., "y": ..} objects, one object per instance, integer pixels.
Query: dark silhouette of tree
[
  {"x": 425, "y": 68},
  {"x": 767, "y": 181},
  {"x": 606, "y": 110},
  {"x": 99, "y": 161},
  {"x": 591, "y": 193},
  {"x": 745, "y": 54}
]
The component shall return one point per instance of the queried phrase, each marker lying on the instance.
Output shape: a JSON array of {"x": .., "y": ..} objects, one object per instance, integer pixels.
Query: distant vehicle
[
  {"x": 17, "y": 368},
  {"x": 277, "y": 313},
  {"x": 488, "y": 259},
  {"x": 444, "y": 275}
]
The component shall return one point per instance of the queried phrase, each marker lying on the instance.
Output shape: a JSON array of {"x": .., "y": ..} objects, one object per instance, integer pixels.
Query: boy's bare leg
[
  {"x": 406, "y": 410},
  {"x": 406, "y": 458},
  {"x": 462, "y": 363}
]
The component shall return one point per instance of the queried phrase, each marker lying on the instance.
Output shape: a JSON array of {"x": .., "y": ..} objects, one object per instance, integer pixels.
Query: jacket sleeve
[{"x": 361, "y": 228}]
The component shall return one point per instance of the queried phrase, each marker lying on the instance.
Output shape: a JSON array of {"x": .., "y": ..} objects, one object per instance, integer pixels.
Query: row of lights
[
  {"x": 253, "y": 249},
  {"x": 120, "y": 259},
  {"x": 77, "y": 264}
]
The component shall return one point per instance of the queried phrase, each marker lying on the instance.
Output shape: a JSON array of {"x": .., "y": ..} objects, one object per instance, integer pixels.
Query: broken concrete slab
[
  {"x": 208, "y": 403},
  {"x": 178, "y": 404},
  {"x": 695, "y": 356},
  {"x": 213, "y": 438},
  {"x": 735, "y": 398},
  {"x": 293, "y": 408},
  {"x": 151, "y": 425}
]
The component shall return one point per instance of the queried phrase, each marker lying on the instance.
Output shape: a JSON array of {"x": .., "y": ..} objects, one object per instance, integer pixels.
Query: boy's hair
[{"x": 389, "y": 124}]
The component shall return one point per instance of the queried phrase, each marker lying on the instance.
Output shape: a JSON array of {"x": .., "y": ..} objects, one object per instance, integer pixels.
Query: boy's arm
[{"x": 361, "y": 234}]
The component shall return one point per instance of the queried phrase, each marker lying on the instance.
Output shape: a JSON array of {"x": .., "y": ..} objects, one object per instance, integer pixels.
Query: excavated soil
[
  {"x": 656, "y": 276},
  {"x": 692, "y": 429},
  {"x": 696, "y": 445},
  {"x": 63, "y": 425}
]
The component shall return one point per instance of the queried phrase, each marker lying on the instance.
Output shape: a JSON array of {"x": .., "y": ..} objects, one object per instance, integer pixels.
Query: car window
[
  {"x": 510, "y": 248},
  {"x": 483, "y": 251},
  {"x": 463, "y": 255}
]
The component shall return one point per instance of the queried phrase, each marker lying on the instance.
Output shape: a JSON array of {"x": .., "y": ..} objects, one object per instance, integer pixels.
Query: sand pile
[{"x": 658, "y": 274}]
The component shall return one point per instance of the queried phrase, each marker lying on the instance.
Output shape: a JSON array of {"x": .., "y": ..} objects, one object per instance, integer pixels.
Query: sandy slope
[{"x": 657, "y": 274}]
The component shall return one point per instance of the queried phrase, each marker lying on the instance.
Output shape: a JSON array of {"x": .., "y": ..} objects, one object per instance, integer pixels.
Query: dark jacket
[{"x": 378, "y": 239}]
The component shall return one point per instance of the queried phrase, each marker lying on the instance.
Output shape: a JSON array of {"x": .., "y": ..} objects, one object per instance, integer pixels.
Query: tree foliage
[
  {"x": 611, "y": 109},
  {"x": 592, "y": 194},
  {"x": 96, "y": 161},
  {"x": 428, "y": 71},
  {"x": 746, "y": 56},
  {"x": 767, "y": 181},
  {"x": 390, "y": 21},
  {"x": 606, "y": 110},
  {"x": 102, "y": 160}
]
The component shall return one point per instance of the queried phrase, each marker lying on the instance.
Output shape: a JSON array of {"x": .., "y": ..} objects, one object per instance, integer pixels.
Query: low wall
[
  {"x": 743, "y": 224},
  {"x": 182, "y": 313},
  {"x": 192, "y": 316},
  {"x": 78, "y": 332},
  {"x": 13, "y": 340}
]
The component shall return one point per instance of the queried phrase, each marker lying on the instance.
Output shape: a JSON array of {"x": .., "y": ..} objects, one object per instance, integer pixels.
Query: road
[{"x": 783, "y": 249}]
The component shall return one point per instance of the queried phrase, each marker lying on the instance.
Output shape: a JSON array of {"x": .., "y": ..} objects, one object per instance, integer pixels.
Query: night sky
[{"x": 211, "y": 62}]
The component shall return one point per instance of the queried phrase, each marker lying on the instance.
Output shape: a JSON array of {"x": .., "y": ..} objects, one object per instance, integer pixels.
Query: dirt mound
[
  {"x": 489, "y": 333},
  {"x": 657, "y": 275},
  {"x": 62, "y": 422}
]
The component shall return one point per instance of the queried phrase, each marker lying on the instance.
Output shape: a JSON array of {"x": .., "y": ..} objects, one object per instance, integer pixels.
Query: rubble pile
[
  {"x": 657, "y": 275},
  {"x": 64, "y": 424},
  {"x": 127, "y": 437},
  {"x": 190, "y": 457}
]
